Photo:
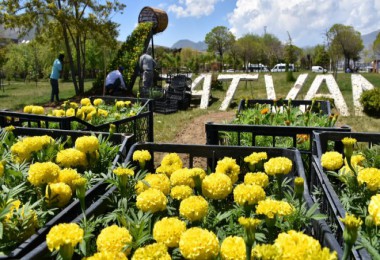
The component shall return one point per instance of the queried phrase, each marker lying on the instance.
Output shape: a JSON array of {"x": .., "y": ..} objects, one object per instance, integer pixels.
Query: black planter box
[{"x": 329, "y": 200}]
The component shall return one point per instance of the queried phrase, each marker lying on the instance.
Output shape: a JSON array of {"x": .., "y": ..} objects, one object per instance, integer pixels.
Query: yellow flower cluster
[
  {"x": 141, "y": 155},
  {"x": 349, "y": 141},
  {"x": 229, "y": 167},
  {"x": 198, "y": 172},
  {"x": 351, "y": 222},
  {"x": 71, "y": 158},
  {"x": 23, "y": 149},
  {"x": 85, "y": 102},
  {"x": 271, "y": 208},
  {"x": 356, "y": 160},
  {"x": 216, "y": 186},
  {"x": 156, "y": 251},
  {"x": 87, "y": 144},
  {"x": 374, "y": 209},
  {"x": 181, "y": 192},
  {"x": 265, "y": 252},
  {"x": 114, "y": 239},
  {"x": 258, "y": 178},
  {"x": 278, "y": 165},
  {"x": 38, "y": 110},
  {"x": 193, "y": 208},
  {"x": 248, "y": 194},
  {"x": 371, "y": 177},
  {"x": 151, "y": 200},
  {"x": 119, "y": 104},
  {"x": 107, "y": 255},
  {"x": 43, "y": 173},
  {"x": 98, "y": 101},
  {"x": 199, "y": 244},
  {"x": 67, "y": 176},
  {"x": 170, "y": 163},
  {"x": 249, "y": 223},
  {"x": 64, "y": 234},
  {"x": 256, "y": 158},
  {"x": 332, "y": 161},
  {"x": 233, "y": 248},
  {"x": 119, "y": 171},
  {"x": 58, "y": 194},
  {"x": 157, "y": 181},
  {"x": 182, "y": 177},
  {"x": 168, "y": 231}
]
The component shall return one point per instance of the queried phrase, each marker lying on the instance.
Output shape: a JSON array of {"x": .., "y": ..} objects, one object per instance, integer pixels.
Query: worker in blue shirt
[{"x": 56, "y": 72}]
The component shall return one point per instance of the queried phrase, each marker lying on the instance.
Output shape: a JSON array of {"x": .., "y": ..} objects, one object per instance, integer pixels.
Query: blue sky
[{"x": 305, "y": 20}]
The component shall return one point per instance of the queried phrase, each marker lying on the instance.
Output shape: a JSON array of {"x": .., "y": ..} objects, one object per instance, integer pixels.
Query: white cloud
[
  {"x": 193, "y": 8},
  {"x": 306, "y": 20}
]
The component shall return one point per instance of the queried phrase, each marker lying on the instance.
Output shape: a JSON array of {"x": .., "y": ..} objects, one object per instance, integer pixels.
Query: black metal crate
[{"x": 165, "y": 106}]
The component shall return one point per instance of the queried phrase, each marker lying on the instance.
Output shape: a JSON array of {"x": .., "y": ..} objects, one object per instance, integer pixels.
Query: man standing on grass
[
  {"x": 147, "y": 64},
  {"x": 56, "y": 72}
]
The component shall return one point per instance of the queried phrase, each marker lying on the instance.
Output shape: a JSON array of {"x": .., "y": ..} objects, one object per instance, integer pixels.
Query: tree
[
  {"x": 71, "y": 22},
  {"x": 273, "y": 49},
  {"x": 321, "y": 56},
  {"x": 251, "y": 49},
  {"x": 376, "y": 45},
  {"x": 219, "y": 40}
]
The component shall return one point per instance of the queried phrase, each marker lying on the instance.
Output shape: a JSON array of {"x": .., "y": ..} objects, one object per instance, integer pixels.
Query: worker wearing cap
[{"x": 115, "y": 81}]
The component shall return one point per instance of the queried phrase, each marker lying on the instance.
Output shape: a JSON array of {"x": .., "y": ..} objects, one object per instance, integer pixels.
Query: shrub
[{"x": 370, "y": 100}]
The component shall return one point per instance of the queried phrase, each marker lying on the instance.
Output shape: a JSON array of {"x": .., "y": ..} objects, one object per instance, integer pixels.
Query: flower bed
[
  {"x": 42, "y": 171},
  {"x": 348, "y": 190},
  {"x": 275, "y": 124},
  {"x": 189, "y": 212},
  {"x": 127, "y": 115}
]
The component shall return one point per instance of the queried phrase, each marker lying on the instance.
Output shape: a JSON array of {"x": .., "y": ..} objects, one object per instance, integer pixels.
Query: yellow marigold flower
[
  {"x": 248, "y": 194},
  {"x": 85, "y": 102},
  {"x": 127, "y": 103},
  {"x": 181, "y": 192},
  {"x": 88, "y": 109},
  {"x": 168, "y": 231},
  {"x": 58, "y": 113},
  {"x": 350, "y": 221},
  {"x": 349, "y": 141},
  {"x": 70, "y": 112},
  {"x": 199, "y": 244},
  {"x": 80, "y": 182},
  {"x": 265, "y": 252},
  {"x": 264, "y": 111},
  {"x": 233, "y": 248},
  {"x": 182, "y": 177},
  {"x": 278, "y": 165},
  {"x": 141, "y": 156},
  {"x": 102, "y": 112},
  {"x": 356, "y": 160},
  {"x": 170, "y": 163},
  {"x": 2, "y": 169},
  {"x": 198, "y": 172},
  {"x": 258, "y": 178},
  {"x": 374, "y": 209},
  {"x": 74, "y": 105},
  {"x": 71, "y": 158},
  {"x": 120, "y": 104},
  {"x": 107, "y": 255},
  {"x": 123, "y": 171},
  {"x": 9, "y": 128},
  {"x": 216, "y": 186},
  {"x": 67, "y": 176},
  {"x": 98, "y": 101},
  {"x": 42, "y": 173},
  {"x": 156, "y": 251},
  {"x": 249, "y": 223},
  {"x": 255, "y": 157},
  {"x": 80, "y": 114},
  {"x": 332, "y": 161},
  {"x": 15, "y": 205},
  {"x": 87, "y": 144},
  {"x": 346, "y": 170},
  {"x": 28, "y": 109},
  {"x": 64, "y": 234},
  {"x": 296, "y": 245},
  {"x": 114, "y": 239},
  {"x": 270, "y": 208},
  {"x": 371, "y": 177},
  {"x": 59, "y": 194},
  {"x": 38, "y": 110},
  {"x": 193, "y": 208},
  {"x": 158, "y": 181},
  {"x": 151, "y": 200},
  {"x": 24, "y": 148},
  {"x": 229, "y": 167}
]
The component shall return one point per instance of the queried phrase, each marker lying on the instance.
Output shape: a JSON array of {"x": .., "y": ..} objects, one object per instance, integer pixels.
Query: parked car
[
  {"x": 318, "y": 69},
  {"x": 281, "y": 67},
  {"x": 257, "y": 68}
]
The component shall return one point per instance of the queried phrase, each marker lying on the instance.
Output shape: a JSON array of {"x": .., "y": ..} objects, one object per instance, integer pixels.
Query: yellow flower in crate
[
  {"x": 62, "y": 235},
  {"x": 71, "y": 158},
  {"x": 271, "y": 208},
  {"x": 74, "y": 105},
  {"x": 199, "y": 244},
  {"x": 332, "y": 161},
  {"x": 168, "y": 231},
  {"x": 23, "y": 149},
  {"x": 374, "y": 209},
  {"x": 119, "y": 104},
  {"x": 68, "y": 175},
  {"x": 229, "y": 167},
  {"x": 141, "y": 156},
  {"x": 120, "y": 171},
  {"x": 127, "y": 103},
  {"x": 85, "y": 102},
  {"x": 356, "y": 160},
  {"x": 70, "y": 112},
  {"x": 181, "y": 192},
  {"x": 265, "y": 252},
  {"x": 107, "y": 255},
  {"x": 233, "y": 248},
  {"x": 182, "y": 177},
  {"x": 156, "y": 251},
  {"x": 88, "y": 109},
  {"x": 255, "y": 160},
  {"x": 98, "y": 101},
  {"x": 28, "y": 109},
  {"x": 58, "y": 194},
  {"x": 114, "y": 239},
  {"x": 157, "y": 181},
  {"x": 278, "y": 165},
  {"x": 193, "y": 208},
  {"x": 248, "y": 194},
  {"x": 216, "y": 186},
  {"x": 58, "y": 113},
  {"x": 351, "y": 228},
  {"x": 258, "y": 178},
  {"x": 38, "y": 110},
  {"x": 102, "y": 112},
  {"x": 348, "y": 144},
  {"x": 371, "y": 178},
  {"x": 87, "y": 144},
  {"x": 151, "y": 200},
  {"x": 42, "y": 173},
  {"x": 170, "y": 163},
  {"x": 198, "y": 173}
]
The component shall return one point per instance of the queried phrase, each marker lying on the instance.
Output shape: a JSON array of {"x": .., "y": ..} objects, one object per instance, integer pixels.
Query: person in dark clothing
[
  {"x": 56, "y": 72},
  {"x": 115, "y": 81}
]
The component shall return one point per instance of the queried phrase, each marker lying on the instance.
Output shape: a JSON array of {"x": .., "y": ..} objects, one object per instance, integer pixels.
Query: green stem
[{"x": 346, "y": 251}]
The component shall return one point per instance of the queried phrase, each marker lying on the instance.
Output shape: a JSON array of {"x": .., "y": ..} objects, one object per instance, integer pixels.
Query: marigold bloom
[
  {"x": 70, "y": 112},
  {"x": 229, "y": 167},
  {"x": 58, "y": 113},
  {"x": 64, "y": 234},
  {"x": 216, "y": 186},
  {"x": 170, "y": 163},
  {"x": 119, "y": 171},
  {"x": 248, "y": 194},
  {"x": 350, "y": 221},
  {"x": 356, "y": 160},
  {"x": 278, "y": 165},
  {"x": 98, "y": 101},
  {"x": 119, "y": 104},
  {"x": 114, "y": 239},
  {"x": 87, "y": 144},
  {"x": 157, "y": 181},
  {"x": 181, "y": 192},
  {"x": 67, "y": 176},
  {"x": 42, "y": 173},
  {"x": 107, "y": 255},
  {"x": 193, "y": 208},
  {"x": 141, "y": 156},
  {"x": 255, "y": 158},
  {"x": 271, "y": 208},
  {"x": 71, "y": 158},
  {"x": 249, "y": 223},
  {"x": 264, "y": 111},
  {"x": 182, "y": 177},
  {"x": 28, "y": 109},
  {"x": 233, "y": 248},
  {"x": 198, "y": 172},
  {"x": 60, "y": 194},
  {"x": 38, "y": 110},
  {"x": 199, "y": 244},
  {"x": 374, "y": 209},
  {"x": 85, "y": 102},
  {"x": 371, "y": 177},
  {"x": 168, "y": 231},
  {"x": 156, "y": 251},
  {"x": 258, "y": 178},
  {"x": 23, "y": 149},
  {"x": 151, "y": 200},
  {"x": 265, "y": 252},
  {"x": 332, "y": 160}
]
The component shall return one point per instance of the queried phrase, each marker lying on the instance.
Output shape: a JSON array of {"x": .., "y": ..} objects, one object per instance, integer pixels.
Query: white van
[
  {"x": 318, "y": 69},
  {"x": 281, "y": 67}
]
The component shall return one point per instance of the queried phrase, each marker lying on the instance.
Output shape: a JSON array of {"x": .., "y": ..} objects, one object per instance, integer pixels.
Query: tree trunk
[{"x": 70, "y": 56}]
